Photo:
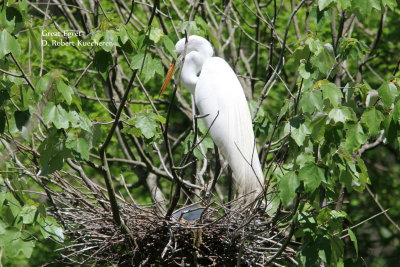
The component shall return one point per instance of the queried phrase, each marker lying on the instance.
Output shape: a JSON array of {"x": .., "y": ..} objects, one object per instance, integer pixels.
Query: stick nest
[{"x": 220, "y": 238}]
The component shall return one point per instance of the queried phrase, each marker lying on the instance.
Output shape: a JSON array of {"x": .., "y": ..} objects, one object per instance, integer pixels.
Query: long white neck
[
  {"x": 191, "y": 70},
  {"x": 193, "y": 63}
]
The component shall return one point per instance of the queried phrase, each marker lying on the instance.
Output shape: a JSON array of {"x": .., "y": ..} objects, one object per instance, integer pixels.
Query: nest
[{"x": 220, "y": 238}]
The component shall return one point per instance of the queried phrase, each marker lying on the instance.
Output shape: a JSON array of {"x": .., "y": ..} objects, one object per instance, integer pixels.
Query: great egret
[{"x": 219, "y": 95}]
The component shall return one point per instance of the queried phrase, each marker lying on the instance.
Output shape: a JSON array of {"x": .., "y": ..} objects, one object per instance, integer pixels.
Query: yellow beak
[{"x": 170, "y": 73}]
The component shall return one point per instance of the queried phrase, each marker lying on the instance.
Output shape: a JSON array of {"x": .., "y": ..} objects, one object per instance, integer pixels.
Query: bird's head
[
  {"x": 193, "y": 43},
  {"x": 183, "y": 47}
]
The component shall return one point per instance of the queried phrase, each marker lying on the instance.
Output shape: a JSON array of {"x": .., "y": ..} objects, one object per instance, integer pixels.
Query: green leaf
[
  {"x": 79, "y": 145},
  {"x": 15, "y": 80},
  {"x": 317, "y": 127},
  {"x": 353, "y": 239},
  {"x": 147, "y": 65},
  {"x": 342, "y": 114},
  {"x": 110, "y": 40},
  {"x": 322, "y": 4},
  {"x": 143, "y": 41},
  {"x": 396, "y": 112},
  {"x": 346, "y": 178},
  {"x": 300, "y": 54},
  {"x": 21, "y": 118},
  {"x": 287, "y": 187},
  {"x": 149, "y": 69},
  {"x": 23, "y": 6},
  {"x": 66, "y": 91},
  {"x": 50, "y": 227},
  {"x": 206, "y": 144},
  {"x": 2, "y": 198},
  {"x": 6, "y": 22},
  {"x": 388, "y": 93},
  {"x": 102, "y": 60},
  {"x": 372, "y": 119},
  {"x": 184, "y": 27},
  {"x": 188, "y": 143},
  {"x": 52, "y": 153},
  {"x": 14, "y": 208},
  {"x": 312, "y": 175},
  {"x": 56, "y": 115},
  {"x": 3, "y": 227},
  {"x": 337, "y": 246},
  {"x": 169, "y": 45},
  {"x": 158, "y": 67},
  {"x": 123, "y": 35},
  {"x": 203, "y": 25},
  {"x": 73, "y": 117},
  {"x": 156, "y": 34},
  {"x": 325, "y": 59},
  {"x": 303, "y": 159},
  {"x": 324, "y": 249},
  {"x": 146, "y": 124},
  {"x": 332, "y": 93},
  {"x": 300, "y": 134},
  {"x": 344, "y": 3},
  {"x": 13, "y": 14},
  {"x": 4, "y": 96},
  {"x": 298, "y": 130},
  {"x": 161, "y": 118},
  {"x": 3, "y": 119},
  {"x": 84, "y": 122},
  {"x": 13, "y": 204},
  {"x": 43, "y": 84},
  {"x": 353, "y": 48},
  {"x": 26, "y": 96},
  {"x": 201, "y": 125},
  {"x": 28, "y": 214},
  {"x": 96, "y": 138},
  {"x": 137, "y": 61},
  {"x": 324, "y": 216},
  {"x": 389, "y": 3},
  {"x": 376, "y": 4},
  {"x": 49, "y": 112},
  {"x": 309, "y": 254},
  {"x": 14, "y": 245},
  {"x": 362, "y": 8},
  {"x": 303, "y": 71},
  {"x": 363, "y": 175},
  {"x": 310, "y": 101},
  {"x": 315, "y": 45},
  {"x": 8, "y": 44},
  {"x": 355, "y": 137}
]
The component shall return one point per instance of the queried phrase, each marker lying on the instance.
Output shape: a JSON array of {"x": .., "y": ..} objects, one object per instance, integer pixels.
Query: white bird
[{"x": 219, "y": 95}]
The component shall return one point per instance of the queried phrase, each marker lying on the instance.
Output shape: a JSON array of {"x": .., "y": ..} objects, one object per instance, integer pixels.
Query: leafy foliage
[{"x": 323, "y": 81}]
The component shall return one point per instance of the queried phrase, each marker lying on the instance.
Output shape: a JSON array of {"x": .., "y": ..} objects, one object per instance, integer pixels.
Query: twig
[
  {"x": 360, "y": 223},
  {"x": 22, "y": 72},
  {"x": 382, "y": 209},
  {"x": 130, "y": 13},
  {"x": 11, "y": 74},
  {"x": 102, "y": 153}
]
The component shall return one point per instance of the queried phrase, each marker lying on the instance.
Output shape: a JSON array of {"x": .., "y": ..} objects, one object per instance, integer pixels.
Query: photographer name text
[{"x": 69, "y": 34}]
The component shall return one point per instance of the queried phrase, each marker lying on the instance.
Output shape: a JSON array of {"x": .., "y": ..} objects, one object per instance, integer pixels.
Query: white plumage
[{"x": 218, "y": 93}]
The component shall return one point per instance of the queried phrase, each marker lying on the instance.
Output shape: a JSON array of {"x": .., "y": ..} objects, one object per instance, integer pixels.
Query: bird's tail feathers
[{"x": 248, "y": 177}]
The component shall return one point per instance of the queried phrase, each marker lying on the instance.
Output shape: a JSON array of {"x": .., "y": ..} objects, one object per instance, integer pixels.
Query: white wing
[{"x": 219, "y": 94}]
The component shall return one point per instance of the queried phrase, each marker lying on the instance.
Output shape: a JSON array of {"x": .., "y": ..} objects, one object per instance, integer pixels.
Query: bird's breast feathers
[
  {"x": 220, "y": 95},
  {"x": 217, "y": 79}
]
